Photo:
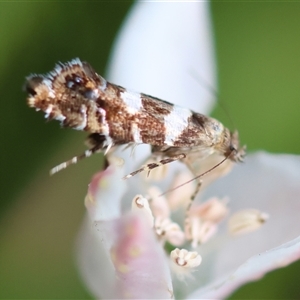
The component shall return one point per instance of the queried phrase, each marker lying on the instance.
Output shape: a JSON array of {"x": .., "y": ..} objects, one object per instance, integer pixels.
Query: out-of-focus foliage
[{"x": 257, "y": 46}]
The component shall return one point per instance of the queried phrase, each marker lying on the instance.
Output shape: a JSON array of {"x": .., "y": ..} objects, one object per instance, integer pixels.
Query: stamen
[
  {"x": 141, "y": 205},
  {"x": 185, "y": 258},
  {"x": 159, "y": 205},
  {"x": 169, "y": 231},
  {"x": 177, "y": 200},
  {"x": 213, "y": 210},
  {"x": 246, "y": 221},
  {"x": 202, "y": 221},
  {"x": 199, "y": 232}
]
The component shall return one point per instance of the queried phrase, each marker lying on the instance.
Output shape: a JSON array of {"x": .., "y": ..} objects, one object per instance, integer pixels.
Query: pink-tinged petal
[
  {"x": 103, "y": 200},
  {"x": 123, "y": 260},
  {"x": 141, "y": 265},
  {"x": 253, "y": 269},
  {"x": 269, "y": 183},
  {"x": 93, "y": 258},
  {"x": 165, "y": 49}
]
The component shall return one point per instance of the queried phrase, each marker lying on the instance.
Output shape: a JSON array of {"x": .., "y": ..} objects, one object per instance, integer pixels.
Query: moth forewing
[{"x": 74, "y": 94}]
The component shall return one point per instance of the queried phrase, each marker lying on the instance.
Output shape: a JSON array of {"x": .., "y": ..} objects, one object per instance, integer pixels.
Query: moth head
[
  {"x": 235, "y": 151},
  {"x": 228, "y": 144},
  {"x": 66, "y": 94}
]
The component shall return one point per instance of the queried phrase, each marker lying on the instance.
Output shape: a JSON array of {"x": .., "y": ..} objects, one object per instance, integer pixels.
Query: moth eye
[
  {"x": 77, "y": 80},
  {"x": 232, "y": 148},
  {"x": 31, "y": 85},
  {"x": 73, "y": 82}
]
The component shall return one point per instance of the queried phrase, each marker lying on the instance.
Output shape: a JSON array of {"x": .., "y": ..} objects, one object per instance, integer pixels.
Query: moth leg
[
  {"x": 96, "y": 143},
  {"x": 151, "y": 166},
  {"x": 74, "y": 160}
]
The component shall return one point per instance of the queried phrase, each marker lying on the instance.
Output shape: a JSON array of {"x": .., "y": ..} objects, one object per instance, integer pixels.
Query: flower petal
[
  {"x": 93, "y": 258},
  {"x": 269, "y": 183},
  {"x": 158, "y": 49},
  {"x": 105, "y": 192},
  {"x": 123, "y": 260},
  {"x": 253, "y": 269}
]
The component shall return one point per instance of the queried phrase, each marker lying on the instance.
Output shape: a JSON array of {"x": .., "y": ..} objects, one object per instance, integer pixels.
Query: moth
[{"x": 74, "y": 94}]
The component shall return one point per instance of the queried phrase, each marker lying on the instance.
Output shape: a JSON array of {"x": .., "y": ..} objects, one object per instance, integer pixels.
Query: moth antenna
[
  {"x": 132, "y": 146},
  {"x": 197, "y": 77},
  {"x": 199, "y": 176},
  {"x": 74, "y": 160}
]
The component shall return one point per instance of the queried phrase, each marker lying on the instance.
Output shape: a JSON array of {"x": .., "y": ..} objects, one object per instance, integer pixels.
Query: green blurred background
[{"x": 258, "y": 51}]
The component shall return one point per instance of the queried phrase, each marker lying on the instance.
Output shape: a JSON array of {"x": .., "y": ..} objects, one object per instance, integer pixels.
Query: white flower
[{"x": 119, "y": 255}]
